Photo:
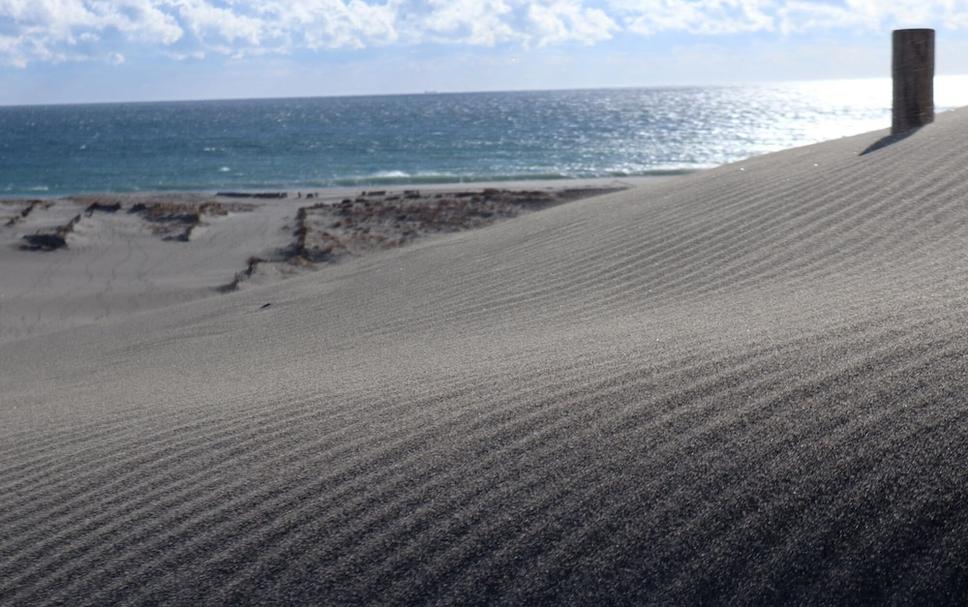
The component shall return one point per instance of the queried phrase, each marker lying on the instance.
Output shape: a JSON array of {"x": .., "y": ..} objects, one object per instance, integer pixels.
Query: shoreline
[{"x": 350, "y": 190}]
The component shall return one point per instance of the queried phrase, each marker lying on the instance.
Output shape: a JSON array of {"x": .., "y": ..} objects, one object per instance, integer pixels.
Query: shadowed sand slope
[{"x": 746, "y": 385}]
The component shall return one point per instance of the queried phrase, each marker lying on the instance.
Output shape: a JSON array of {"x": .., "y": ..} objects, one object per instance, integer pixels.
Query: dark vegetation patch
[
  {"x": 102, "y": 207},
  {"x": 251, "y": 264},
  {"x": 327, "y": 231},
  {"x": 173, "y": 217},
  {"x": 176, "y": 220},
  {"x": 52, "y": 240},
  {"x": 31, "y": 205}
]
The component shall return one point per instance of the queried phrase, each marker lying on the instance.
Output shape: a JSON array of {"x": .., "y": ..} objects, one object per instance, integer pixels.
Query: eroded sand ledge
[
  {"x": 98, "y": 257},
  {"x": 744, "y": 386}
]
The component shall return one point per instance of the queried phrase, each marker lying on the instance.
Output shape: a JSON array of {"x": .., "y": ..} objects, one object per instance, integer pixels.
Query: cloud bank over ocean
[{"x": 57, "y": 31}]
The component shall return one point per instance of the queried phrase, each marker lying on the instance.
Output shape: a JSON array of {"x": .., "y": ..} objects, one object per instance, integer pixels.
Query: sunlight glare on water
[{"x": 413, "y": 139}]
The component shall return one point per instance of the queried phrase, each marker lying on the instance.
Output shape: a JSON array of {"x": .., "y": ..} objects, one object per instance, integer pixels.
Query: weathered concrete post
[{"x": 912, "y": 68}]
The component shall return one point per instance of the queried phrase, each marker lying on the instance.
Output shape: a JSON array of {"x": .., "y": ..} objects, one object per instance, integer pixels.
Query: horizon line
[{"x": 725, "y": 84}]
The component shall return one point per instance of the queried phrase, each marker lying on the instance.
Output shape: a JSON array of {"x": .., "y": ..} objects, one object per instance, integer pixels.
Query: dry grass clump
[
  {"x": 176, "y": 220},
  {"x": 50, "y": 241},
  {"x": 375, "y": 220},
  {"x": 250, "y": 267},
  {"x": 29, "y": 208}
]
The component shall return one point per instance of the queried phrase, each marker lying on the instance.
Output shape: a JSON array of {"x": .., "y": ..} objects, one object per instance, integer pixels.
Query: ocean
[{"x": 427, "y": 138}]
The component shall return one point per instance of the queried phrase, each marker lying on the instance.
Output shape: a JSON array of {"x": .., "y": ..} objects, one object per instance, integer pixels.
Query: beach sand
[
  {"x": 746, "y": 385},
  {"x": 77, "y": 260}
]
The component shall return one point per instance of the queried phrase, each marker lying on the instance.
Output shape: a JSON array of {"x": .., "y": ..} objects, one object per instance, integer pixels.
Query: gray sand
[
  {"x": 746, "y": 385},
  {"x": 68, "y": 262}
]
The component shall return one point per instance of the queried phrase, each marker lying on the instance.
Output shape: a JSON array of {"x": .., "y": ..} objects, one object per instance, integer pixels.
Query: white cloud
[
  {"x": 492, "y": 22},
  {"x": 10, "y": 53},
  {"x": 710, "y": 17},
  {"x": 567, "y": 21},
  {"x": 203, "y": 20},
  {"x": 65, "y": 30},
  {"x": 51, "y": 30},
  {"x": 797, "y": 15},
  {"x": 319, "y": 24},
  {"x": 695, "y": 16},
  {"x": 139, "y": 19},
  {"x": 478, "y": 22}
]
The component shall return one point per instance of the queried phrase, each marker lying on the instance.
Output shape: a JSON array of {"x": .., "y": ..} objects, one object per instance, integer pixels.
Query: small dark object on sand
[
  {"x": 44, "y": 242},
  {"x": 50, "y": 241},
  {"x": 264, "y": 306},
  {"x": 102, "y": 207}
]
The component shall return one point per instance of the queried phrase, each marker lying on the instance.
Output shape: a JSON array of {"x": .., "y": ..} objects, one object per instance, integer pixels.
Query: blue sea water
[{"x": 413, "y": 139}]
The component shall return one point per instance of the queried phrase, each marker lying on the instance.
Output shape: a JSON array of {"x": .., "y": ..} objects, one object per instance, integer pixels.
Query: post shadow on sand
[{"x": 885, "y": 141}]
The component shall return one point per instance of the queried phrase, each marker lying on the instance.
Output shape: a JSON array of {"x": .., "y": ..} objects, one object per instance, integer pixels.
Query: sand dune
[
  {"x": 743, "y": 386},
  {"x": 73, "y": 261}
]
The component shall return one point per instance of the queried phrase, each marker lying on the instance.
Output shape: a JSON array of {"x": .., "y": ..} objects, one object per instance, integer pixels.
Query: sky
[{"x": 71, "y": 51}]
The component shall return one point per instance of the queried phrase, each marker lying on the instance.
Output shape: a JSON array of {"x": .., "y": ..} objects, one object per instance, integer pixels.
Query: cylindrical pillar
[{"x": 913, "y": 72}]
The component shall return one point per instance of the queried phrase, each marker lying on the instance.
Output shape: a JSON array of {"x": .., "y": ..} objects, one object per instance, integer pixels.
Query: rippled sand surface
[{"x": 746, "y": 385}]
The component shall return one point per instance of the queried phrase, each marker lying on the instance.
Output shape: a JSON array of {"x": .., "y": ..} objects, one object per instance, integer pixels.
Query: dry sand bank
[
  {"x": 743, "y": 386},
  {"x": 96, "y": 258}
]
